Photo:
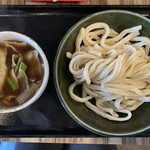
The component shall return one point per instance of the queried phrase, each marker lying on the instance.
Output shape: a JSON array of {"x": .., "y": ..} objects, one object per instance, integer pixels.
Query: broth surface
[{"x": 32, "y": 75}]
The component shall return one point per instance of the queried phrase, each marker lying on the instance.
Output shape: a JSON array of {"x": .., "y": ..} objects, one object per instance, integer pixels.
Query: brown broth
[{"x": 21, "y": 51}]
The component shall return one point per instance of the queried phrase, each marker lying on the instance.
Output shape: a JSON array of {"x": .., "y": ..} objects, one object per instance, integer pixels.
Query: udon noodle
[{"x": 113, "y": 68}]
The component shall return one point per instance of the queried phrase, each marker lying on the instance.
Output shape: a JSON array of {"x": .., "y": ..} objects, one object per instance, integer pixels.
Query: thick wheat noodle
[{"x": 113, "y": 68}]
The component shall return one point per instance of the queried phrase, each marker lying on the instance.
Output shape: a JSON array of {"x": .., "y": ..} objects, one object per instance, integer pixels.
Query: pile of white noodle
[{"x": 113, "y": 68}]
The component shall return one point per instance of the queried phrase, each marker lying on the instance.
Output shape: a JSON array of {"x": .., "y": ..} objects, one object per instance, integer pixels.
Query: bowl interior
[{"x": 140, "y": 120}]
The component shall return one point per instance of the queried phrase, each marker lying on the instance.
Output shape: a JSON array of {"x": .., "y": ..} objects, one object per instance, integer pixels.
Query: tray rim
[{"x": 12, "y": 10}]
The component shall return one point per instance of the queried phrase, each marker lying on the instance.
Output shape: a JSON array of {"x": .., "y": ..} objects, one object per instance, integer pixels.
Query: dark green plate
[{"x": 140, "y": 121}]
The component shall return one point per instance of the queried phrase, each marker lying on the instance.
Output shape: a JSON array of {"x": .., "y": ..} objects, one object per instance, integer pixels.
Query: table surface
[
  {"x": 127, "y": 140},
  {"x": 87, "y": 2}
]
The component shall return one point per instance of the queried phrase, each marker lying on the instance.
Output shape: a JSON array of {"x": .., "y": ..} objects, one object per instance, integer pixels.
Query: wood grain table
[
  {"x": 125, "y": 141},
  {"x": 87, "y": 2}
]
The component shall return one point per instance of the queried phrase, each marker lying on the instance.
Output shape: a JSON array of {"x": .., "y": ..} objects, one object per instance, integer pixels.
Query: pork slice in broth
[
  {"x": 34, "y": 70},
  {"x": 17, "y": 46}
]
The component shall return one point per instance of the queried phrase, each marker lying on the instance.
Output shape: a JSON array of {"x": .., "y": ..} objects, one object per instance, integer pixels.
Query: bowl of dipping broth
[{"x": 24, "y": 71}]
